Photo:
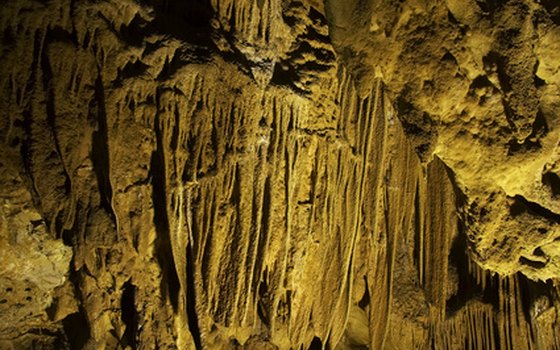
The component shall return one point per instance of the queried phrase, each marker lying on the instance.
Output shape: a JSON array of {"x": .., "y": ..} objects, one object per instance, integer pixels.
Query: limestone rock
[{"x": 280, "y": 174}]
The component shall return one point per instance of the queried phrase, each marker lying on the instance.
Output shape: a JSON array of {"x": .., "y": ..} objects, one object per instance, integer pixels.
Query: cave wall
[{"x": 278, "y": 174}]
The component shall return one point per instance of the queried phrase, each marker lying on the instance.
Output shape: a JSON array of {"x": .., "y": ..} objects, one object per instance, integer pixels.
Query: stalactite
[{"x": 233, "y": 174}]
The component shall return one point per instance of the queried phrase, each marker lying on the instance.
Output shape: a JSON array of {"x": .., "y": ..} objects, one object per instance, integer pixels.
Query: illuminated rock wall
[{"x": 279, "y": 174}]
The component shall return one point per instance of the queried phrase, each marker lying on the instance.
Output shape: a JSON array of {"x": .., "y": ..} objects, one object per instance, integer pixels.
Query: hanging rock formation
[{"x": 280, "y": 174}]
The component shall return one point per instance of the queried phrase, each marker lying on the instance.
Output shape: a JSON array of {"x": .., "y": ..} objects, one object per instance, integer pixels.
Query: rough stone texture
[
  {"x": 280, "y": 174},
  {"x": 476, "y": 83}
]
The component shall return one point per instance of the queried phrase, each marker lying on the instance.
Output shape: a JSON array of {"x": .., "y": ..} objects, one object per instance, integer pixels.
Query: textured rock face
[
  {"x": 477, "y": 85},
  {"x": 280, "y": 174}
]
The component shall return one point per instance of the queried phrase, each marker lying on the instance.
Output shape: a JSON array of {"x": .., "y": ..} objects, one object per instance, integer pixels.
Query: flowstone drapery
[{"x": 279, "y": 174}]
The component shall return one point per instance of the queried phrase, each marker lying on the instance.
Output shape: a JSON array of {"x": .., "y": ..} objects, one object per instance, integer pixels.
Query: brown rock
[{"x": 270, "y": 174}]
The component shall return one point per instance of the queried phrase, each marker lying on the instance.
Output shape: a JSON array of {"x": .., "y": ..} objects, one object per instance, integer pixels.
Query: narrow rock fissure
[
  {"x": 129, "y": 315},
  {"x": 100, "y": 149}
]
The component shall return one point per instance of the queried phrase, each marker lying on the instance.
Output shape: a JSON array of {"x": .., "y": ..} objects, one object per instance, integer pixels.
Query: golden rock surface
[{"x": 280, "y": 174}]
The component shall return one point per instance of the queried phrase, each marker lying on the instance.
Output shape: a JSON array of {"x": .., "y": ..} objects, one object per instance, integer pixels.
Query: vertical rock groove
[{"x": 100, "y": 148}]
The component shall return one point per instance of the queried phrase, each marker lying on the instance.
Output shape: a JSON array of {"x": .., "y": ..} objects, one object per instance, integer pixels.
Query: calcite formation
[{"x": 280, "y": 174}]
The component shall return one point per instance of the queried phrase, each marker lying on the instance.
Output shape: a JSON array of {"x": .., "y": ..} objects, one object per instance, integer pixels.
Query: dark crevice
[
  {"x": 480, "y": 82},
  {"x": 468, "y": 288},
  {"x": 289, "y": 20},
  {"x": 59, "y": 34},
  {"x": 132, "y": 69},
  {"x": 170, "y": 67},
  {"x": 413, "y": 121},
  {"x": 285, "y": 75},
  {"x": 553, "y": 8},
  {"x": 364, "y": 302},
  {"x": 552, "y": 180},
  {"x": 76, "y": 326},
  {"x": 317, "y": 17},
  {"x": 8, "y": 40},
  {"x": 521, "y": 205},
  {"x": 531, "y": 263},
  {"x": 76, "y": 329},
  {"x": 100, "y": 149},
  {"x": 488, "y": 6},
  {"x": 233, "y": 19},
  {"x": 289, "y": 302},
  {"x": 70, "y": 236},
  {"x": 215, "y": 143},
  {"x": 449, "y": 57},
  {"x": 452, "y": 18},
  {"x": 316, "y": 344},
  {"x": 188, "y": 21},
  {"x": 536, "y": 79},
  {"x": 133, "y": 33},
  {"x": 263, "y": 299},
  {"x": 312, "y": 35},
  {"x": 129, "y": 315},
  {"x": 540, "y": 126}
]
